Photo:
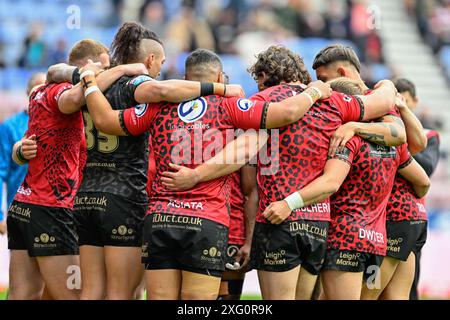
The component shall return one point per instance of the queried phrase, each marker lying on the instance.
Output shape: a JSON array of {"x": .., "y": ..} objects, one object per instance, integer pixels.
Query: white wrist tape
[
  {"x": 309, "y": 96},
  {"x": 90, "y": 90},
  {"x": 295, "y": 201},
  {"x": 87, "y": 73}
]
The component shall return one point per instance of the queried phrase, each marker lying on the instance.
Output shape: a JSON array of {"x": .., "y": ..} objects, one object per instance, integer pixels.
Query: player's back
[
  {"x": 117, "y": 165},
  {"x": 303, "y": 149},
  {"x": 190, "y": 133},
  {"x": 53, "y": 176},
  {"x": 362, "y": 198}
]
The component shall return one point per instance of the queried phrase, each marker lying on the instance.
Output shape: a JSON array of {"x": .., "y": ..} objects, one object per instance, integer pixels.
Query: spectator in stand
[
  {"x": 189, "y": 31},
  {"x": 59, "y": 54},
  {"x": 153, "y": 16},
  {"x": 34, "y": 48}
]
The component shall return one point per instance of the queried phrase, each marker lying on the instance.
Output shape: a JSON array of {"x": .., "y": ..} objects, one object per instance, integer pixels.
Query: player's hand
[
  {"x": 134, "y": 69},
  {"x": 96, "y": 67},
  {"x": 243, "y": 255},
  {"x": 182, "y": 179},
  {"x": 2, "y": 227},
  {"x": 234, "y": 90},
  {"x": 323, "y": 87},
  {"x": 29, "y": 147},
  {"x": 277, "y": 212},
  {"x": 400, "y": 102},
  {"x": 385, "y": 83},
  {"x": 340, "y": 138}
]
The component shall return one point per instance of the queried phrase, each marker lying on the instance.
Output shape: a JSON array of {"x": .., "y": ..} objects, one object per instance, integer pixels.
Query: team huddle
[{"x": 183, "y": 186}]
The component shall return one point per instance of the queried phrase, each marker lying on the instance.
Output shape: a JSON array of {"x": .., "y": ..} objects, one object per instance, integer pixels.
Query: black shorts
[
  {"x": 184, "y": 243},
  {"x": 352, "y": 261},
  {"x": 279, "y": 248},
  {"x": 405, "y": 237},
  {"x": 104, "y": 219},
  {"x": 232, "y": 250},
  {"x": 42, "y": 231}
]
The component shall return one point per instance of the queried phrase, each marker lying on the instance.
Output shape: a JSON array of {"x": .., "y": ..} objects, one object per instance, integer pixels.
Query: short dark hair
[
  {"x": 405, "y": 85},
  {"x": 202, "y": 57},
  {"x": 280, "y": 64},
  {"x": 125, "y": 47},
  {"x": 336, "y": 52}
]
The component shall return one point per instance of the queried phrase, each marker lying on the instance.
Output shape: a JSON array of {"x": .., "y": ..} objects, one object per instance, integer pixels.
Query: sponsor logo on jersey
[
  {"x": 244, "y": 104},
  {"x": 190, "y": 111},
  {"x": 194, "y": 205},
  {"x": 378, "y": 151},
  {"x": 25, "y": 192},
  {"x": 140, "y": 110},
  {"x": 371, "y": 235},
  {"x": 138, "y": 80},
  {"x": 347, "y": 98}
]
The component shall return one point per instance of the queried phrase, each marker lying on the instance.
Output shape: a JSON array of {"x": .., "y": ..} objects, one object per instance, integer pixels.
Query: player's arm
[
  {"x": 182, "y": 90},
  {"x": 429, "y": 158},
  {"x": 416, "y": 137},
  {"x": 62, "y": 72},
  {"x": 417, "y": 176},
  {"x": 24, "y": 150},
  {"x": 333, "y": 176},
  {"x": 73, "y": 100},
  {"x": 250, "y": 191},
  {"x": 290, "y": 110},
  {"x": 230, "y": 159},
  {"x": 388, "y": 131},
  {"x": 380, "y": 101}
]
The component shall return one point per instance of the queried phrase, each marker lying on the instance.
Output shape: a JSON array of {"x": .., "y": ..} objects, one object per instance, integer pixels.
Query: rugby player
[
  {"x": 11, "y": 130},
  {"x": 185, "y": 233},
  {"x": 112, "y": 199},
  {"x": 406, "y": 219},
  {"x": 289, "y": 260},
  {"x": 41, "y": 231},
  {"x": 357, "y": 233}
]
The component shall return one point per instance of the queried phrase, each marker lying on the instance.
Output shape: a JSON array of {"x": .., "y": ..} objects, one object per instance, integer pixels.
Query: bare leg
[
  {"x": 25, "y": 281},
  {"x": 279, "y": 285},
  {"x": 93, "y": 273}
]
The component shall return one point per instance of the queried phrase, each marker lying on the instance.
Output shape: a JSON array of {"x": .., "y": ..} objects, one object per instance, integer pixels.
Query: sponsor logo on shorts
[
  {"x": 232, "y": 250},
  {"x": 100, "y": 201},
  {"x": 371, "y": 235},
  {"x": 25, "y": 212},
  {"x": 122, "y": 233},
  {"x": 24, "y": 191},
  {"x": 348, "y": 259},
  {"x": 275, "y": 258},
  {"x": 171, "y": 218},
  {"x": 303, "y": 226},
  {"x": 145, "y": 250},
  {"x": 44, "y": 241},
  {"x": 394, "y": 244},
  {"x": 194, "y": 205},
  {"x": 211, "y": 255}
]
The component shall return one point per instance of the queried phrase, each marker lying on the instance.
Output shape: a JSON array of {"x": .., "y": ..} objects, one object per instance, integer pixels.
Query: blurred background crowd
[{"x": 36, "y": 34}]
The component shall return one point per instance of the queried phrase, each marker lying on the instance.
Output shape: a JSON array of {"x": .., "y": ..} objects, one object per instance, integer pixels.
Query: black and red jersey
[
  {"x": 302, "y": 149},
  {"x": 190, "y": 133},
  {"x": 54, "y": 176},
  {"x": 358, "y": 209}
]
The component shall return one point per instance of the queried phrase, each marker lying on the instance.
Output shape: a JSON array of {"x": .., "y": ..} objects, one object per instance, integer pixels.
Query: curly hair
[
  {"x": 125, "y": 47},
  {"x": 279, "y": 64}
]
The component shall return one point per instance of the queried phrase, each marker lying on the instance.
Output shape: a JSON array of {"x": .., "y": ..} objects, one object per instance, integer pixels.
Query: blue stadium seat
[
  {"x": 380, "y": 72},
  {"x": 444, "y": 55}
]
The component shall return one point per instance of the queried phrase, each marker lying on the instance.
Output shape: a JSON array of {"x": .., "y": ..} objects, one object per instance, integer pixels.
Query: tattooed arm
[{"x": 388, "y": 131}]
